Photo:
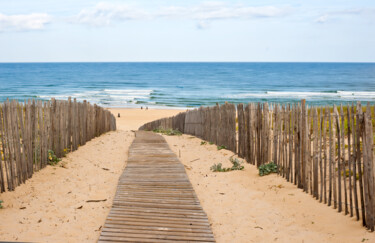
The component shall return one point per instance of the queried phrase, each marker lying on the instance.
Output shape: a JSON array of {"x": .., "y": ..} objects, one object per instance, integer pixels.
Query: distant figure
[
  {"x": 118, "y": 115},
  {"x": 146, "y": 107},
  {"x": 141, "y": 107}
]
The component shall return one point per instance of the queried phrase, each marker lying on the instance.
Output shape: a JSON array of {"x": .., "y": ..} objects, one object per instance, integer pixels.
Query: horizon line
[{"x": 31, "y": 62}]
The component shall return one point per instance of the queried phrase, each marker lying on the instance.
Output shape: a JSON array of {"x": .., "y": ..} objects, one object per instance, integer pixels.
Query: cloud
[
  {"x": 34, "y": 21},
  {"x": 345, "y": 12},
  {"x": 105, "y": 14},
  {"x": 215, "y": 12}
]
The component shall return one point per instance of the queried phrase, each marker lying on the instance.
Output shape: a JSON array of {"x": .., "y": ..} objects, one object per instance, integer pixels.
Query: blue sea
[{"x": 181, "y": 85}]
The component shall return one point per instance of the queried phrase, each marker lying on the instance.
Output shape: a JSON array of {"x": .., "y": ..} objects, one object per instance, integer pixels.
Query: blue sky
[{"x": 162, "y": 30}]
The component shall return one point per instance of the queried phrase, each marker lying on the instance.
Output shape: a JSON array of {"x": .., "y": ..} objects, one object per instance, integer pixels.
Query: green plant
[
  {"x": 1, "y": 206},
  {"x": 66, "y": 151},
  {"x": 236, "y": 165},
  {"x": 210, "y": 143},
  {"x": 169, "y": 132},
  {"x": 52, "y": 158},
  {"x": 218, "y": 168},
  {"x": 351, "y": 173},
  {"x": 221, "y": 147},
  {"x": 266, "y": 169},
  {"x": 203, "y": 143}
]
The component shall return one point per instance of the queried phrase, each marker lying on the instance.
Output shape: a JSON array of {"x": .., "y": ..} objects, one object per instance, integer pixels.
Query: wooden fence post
[{"x": 368, "y": 168}]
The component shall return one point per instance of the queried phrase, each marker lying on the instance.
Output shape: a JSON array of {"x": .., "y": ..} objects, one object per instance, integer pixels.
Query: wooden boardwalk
[{"x": 155, "y": 201}]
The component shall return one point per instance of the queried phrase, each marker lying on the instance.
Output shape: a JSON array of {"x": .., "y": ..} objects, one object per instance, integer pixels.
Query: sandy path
[
  {"x": 243, "y": 207},
  {"x": 132, "y": 119},
  {"x": 52, "y": 207}
]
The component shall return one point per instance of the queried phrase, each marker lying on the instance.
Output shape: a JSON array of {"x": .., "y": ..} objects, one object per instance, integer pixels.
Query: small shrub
[
  {"x": 52, "y": 158},
  {"x": 1, "y": 206},
  {"x": 221, "y": 147},
  {"x": 218, "y": 168},
  {"x": 203, "y": 143},
  {"x": 210, "y": 143},
  {"x": 266, "y": 169},
  {"x": 66, "y": 151},
  {"x": 169, "y": 132},
  {"x": 351, "y": 173},
  {"x": 236, "y": 165}
]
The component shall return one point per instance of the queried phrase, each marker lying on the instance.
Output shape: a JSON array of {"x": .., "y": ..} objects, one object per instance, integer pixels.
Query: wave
[
  {"x": 107, "y": 97},
  {"x": 334, "y": 95}
]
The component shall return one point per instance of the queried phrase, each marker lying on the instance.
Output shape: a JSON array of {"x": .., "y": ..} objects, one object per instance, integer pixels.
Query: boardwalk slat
[{"x": 155, "y": 201}]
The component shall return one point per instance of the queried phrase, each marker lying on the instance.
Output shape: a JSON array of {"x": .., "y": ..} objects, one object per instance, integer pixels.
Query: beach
[
  {"x": 269, "y": 108},
  {"x": 55, "y": 206}
]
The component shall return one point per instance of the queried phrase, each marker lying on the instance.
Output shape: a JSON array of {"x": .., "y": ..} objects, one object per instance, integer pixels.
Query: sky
[{"x": 192, "y": 31}]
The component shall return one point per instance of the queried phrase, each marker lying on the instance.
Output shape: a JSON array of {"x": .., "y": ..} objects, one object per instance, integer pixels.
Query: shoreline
[{"x": 150, "y": 108}]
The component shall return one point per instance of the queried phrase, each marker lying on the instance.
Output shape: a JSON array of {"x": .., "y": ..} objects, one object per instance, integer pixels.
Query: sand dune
[{"x": 242, "y": 207}]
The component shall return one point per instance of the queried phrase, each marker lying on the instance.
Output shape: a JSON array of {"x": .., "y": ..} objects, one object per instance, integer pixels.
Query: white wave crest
[
  {"x": 107, "y": 97},
  {"x": 338, "y": 95}
]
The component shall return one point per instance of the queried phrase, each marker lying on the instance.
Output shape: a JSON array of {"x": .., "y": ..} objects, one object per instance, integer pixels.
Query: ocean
[{"x": 182, "y": 85}]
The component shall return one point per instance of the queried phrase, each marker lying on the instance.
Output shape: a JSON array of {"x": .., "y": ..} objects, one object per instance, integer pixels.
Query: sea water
[{"x": 181, "y": 85}]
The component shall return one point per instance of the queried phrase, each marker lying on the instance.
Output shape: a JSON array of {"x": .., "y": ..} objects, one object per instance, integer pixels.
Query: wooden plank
[
  {"x": 7, "y": 148},
  {"x": 354, "y": 135},
  {"x": 251, "y": 134},
  {"x": 299, "y": 146},
  {"x": 315, "y": 153},
  {"x": 289, "y": 144},
  {"x": 265, "y": 136},
  {"x": 29, "y": 137},
  {"x": 241, "y": 133},
  {"x": 368, "y": 168},
  {"x": 359, "y": 120},
  {"x": 310, "y": 149},
  {"x": 275, "y": 134},
  {"x": 322, "y": 179},
  {"x": 10, "y": 142},
  {"x": 40, "y": 135},
  {"x": 304, "y": 145},
  {"x": 331, "y": 158},
  {"x": 155, "y": 200},
  {"x": 343, "y": 164},
  {"x": 16, "y": 137},
  {"x": 338, "y": 129},
  {"x": 21, "y": 129},
  {"x": 350, "y": 159},
  {"x": 3, "y": 168},
  {"x": 324, "y": 128}
]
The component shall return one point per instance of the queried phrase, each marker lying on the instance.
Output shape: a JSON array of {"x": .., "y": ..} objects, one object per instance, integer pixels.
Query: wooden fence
[
  {"x": 326, "y": 151},
  {"x": 29, "y": 130},
  {"x": 216, "y": 124}
]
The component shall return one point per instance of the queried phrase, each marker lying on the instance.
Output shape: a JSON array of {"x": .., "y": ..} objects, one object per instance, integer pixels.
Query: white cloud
[
  {"x": 34, "y": 21},
  {"x": 345, "y": 12},
  {"x": 104, "y": 13},
  {"x": 213, "y": 12}
]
